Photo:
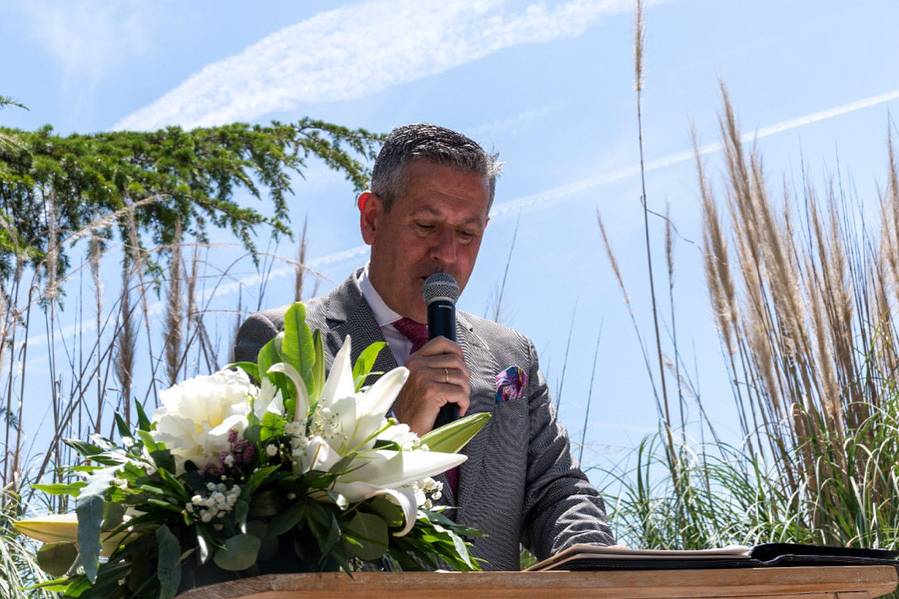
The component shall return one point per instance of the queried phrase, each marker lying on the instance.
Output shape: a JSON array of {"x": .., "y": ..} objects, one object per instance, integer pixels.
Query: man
[{"x": 426, "y": 212}]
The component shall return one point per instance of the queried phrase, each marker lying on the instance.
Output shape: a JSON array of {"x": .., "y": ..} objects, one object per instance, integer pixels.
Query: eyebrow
[{"x": 474, "y": 220}]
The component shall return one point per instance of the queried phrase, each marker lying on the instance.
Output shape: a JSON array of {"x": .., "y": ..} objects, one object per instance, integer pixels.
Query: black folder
[{"x": 593, "y": 557}]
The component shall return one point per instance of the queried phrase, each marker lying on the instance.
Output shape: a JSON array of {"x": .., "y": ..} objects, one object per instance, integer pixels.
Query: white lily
[
  {"x": 359, "y": 416},
  {"x": 360, "y": 419},
  {"x": 63, "y": 528}
]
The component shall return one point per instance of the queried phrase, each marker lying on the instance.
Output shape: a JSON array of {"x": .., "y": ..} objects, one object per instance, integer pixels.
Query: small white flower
[{"x": 271, "y": 450}]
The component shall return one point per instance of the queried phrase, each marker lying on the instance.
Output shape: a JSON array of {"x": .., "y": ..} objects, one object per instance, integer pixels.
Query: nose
[{"x": 444, "y": 249}]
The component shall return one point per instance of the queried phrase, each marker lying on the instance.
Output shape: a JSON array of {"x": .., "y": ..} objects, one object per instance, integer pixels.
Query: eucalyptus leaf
[
  {"x": 90, "y": 516},
  {"x": 264, "y": 505},
  {"x": 113, "y": 514},
  {"x": 168, "y": 564},
  {"x": 239, "y": 553},
  {"x": 370, "y": 531},
  {"x": 286, "y": 519},
  {"x": 388, "y": 510},
  {"x": 57, "y": 558}
]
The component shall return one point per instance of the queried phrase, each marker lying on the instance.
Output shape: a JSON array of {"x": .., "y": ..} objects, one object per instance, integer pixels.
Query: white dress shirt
[{"x": 384, "y": 316}]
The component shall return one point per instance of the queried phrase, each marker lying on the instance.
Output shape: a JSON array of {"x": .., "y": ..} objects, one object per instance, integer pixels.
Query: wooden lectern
[{"x": 820, "y": 582}]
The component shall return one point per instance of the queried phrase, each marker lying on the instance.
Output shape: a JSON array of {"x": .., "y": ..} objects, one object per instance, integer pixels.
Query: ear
[{"x": 370, "y": 207}]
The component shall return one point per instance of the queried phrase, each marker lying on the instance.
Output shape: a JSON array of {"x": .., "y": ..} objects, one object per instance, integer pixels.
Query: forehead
[{"x": 443, "y": 189}]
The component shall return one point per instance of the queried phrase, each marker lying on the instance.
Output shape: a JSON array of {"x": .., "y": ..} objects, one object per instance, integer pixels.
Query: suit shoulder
[{"x": 315, "y": 312}]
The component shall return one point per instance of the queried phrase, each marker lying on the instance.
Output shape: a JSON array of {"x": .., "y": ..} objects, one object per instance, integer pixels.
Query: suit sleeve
[
  {"x": 561, "y": 507},
  {"x": 255, "y": 332}
]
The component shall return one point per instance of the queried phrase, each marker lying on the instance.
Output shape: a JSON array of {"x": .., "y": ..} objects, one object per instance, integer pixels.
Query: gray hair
[{"x": 424, "y": 141}]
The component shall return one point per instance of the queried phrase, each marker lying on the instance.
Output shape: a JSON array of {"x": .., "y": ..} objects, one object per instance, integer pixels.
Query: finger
[
  {"x": 448, "y": 376},
  {"x": 443, "y": 394}
]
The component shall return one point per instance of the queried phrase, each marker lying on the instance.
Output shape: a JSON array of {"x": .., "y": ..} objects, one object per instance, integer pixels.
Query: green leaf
[
  {"x": 113, "y": 514},
  {"x": 149, "y": 443},
  {"x": 143, "y": 423},
  {"x": 318, "y": 368},
  {"x": 257, "y": 479},
  {"x": 56, "y": 558},
  {"x": 452, "y": 437},
  {"x": 83, "y": 447},
  {"x": 286, "y": 519},
  {"x": 72, "y": 489},
  {"x": 249, "y": 367},
  {"x": 168, "y": 563},
  {"x": 298, "y": 349},
  {"x": 265, "y": 504},
  {"x": 240, "y": 552},
  {"x": 252, "y": 433},
  {"x": 370, "y": 532},
  {"x": 124, "y": 431},
  {"x": 90, "y": 516},
  {"x": 163, "y": 459},
  {"x": 267, "y": 356},
  {"x": 388, "y": 510},
  {"x": 365, "y": 362}
]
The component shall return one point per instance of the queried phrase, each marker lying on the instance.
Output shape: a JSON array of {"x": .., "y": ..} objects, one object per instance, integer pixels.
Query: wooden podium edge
[{"x": 821, "y": 581}]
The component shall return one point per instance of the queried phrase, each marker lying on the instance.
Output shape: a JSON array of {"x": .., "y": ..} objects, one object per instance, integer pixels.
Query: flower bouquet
[{"x": 264, "y": 467}]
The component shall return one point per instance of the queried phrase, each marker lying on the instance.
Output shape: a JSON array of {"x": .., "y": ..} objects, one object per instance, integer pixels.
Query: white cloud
[{"x": 355, "y": 51}]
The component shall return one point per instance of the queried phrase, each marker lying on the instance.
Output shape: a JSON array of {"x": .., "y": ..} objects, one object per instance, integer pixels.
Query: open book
[{"x": 620, "y": 557}]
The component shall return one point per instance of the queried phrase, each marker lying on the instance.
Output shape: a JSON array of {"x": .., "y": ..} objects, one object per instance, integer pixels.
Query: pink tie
[{"x": 417, "y": 333}]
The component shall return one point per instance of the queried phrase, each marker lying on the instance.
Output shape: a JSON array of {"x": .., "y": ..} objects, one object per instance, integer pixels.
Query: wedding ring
[{"x": 445, "y": 376}]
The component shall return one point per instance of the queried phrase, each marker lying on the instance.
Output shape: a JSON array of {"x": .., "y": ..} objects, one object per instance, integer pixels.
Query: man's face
[{"x": 436, "y": 225}]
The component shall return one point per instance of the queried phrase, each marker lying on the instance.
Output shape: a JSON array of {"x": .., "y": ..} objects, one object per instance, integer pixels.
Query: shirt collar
[{"x": 383, "y": 314}]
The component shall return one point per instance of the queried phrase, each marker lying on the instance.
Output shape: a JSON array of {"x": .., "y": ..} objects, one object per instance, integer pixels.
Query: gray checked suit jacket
[{"x": 520, "y": 483}]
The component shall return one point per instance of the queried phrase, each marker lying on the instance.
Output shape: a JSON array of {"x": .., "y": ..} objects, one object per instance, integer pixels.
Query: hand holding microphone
[{"x": 438, "y": 389}]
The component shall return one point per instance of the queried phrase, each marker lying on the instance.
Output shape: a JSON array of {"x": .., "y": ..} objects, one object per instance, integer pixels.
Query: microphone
[{"x": 440, "y": 294}]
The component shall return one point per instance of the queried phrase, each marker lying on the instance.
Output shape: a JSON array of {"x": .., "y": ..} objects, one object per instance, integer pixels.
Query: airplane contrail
[{"x": 547, "y": 197}]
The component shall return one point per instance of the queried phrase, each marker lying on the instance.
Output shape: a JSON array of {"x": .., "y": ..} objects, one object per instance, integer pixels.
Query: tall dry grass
[{"x": 803, "y": 286}]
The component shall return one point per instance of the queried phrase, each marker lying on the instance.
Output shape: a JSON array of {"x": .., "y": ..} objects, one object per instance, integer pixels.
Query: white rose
[{"x": 197, "y": 415}]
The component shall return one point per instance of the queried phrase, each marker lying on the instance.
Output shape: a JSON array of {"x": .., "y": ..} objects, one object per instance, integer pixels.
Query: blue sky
[{"x": 548, "y": 85}]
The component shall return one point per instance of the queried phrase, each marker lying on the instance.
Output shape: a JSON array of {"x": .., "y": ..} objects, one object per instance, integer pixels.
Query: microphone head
[{"x": 440, "y": 286}]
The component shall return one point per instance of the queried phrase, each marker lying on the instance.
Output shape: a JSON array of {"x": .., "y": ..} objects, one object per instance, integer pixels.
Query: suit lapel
[{"x": 347, "y": 312}]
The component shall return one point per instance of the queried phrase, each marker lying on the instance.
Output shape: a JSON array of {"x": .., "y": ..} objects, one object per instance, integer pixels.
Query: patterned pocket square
[{"x": 511, "y": 384}]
